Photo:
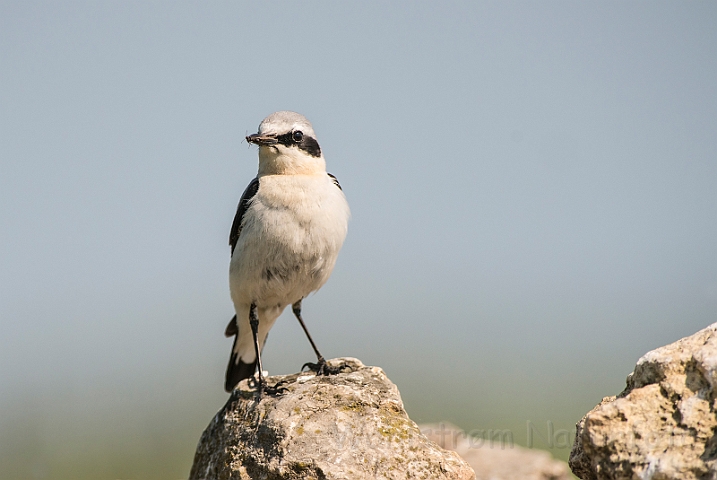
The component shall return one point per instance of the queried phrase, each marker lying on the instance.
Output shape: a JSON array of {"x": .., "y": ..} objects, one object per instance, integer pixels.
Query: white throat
[{"x": 281, "y": 160}]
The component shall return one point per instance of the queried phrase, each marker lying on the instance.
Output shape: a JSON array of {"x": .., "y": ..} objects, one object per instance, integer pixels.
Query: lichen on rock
[
  {"x": 346, "y": 426},
  {"x": 662, "y": 426}
]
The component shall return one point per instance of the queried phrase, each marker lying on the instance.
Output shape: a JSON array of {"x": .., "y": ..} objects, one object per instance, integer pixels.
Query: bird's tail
[{"x": 237, "y": 370}]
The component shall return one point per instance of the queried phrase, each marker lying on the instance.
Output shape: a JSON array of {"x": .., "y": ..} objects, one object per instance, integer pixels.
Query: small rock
[
  {"x": 346, "y": 426},
  {"x": 662, "y": 426},
  {"x": 497, "y": 461}
]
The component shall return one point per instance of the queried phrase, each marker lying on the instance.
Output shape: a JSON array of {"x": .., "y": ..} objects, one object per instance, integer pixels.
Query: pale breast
[{"x": 290, "y": 239}]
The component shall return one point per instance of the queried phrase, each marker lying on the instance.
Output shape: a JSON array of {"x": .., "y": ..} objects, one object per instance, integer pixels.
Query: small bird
[{"x": 289, "y": 227}]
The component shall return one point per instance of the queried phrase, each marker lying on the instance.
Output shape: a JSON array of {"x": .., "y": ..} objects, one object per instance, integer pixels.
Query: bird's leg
[
  {"x": 296, "y": 308},
  {"x": 320, "y": 367},
  {"x": 254, "y": 323},
  {"x": 261, "y": 382}
]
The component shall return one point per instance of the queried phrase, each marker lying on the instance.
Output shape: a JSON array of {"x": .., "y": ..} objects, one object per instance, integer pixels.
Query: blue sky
[{"x": 533, "y": 189}]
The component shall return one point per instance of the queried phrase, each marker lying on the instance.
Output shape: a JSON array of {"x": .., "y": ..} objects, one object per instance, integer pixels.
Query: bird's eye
[{"x": 298, "y": 135}]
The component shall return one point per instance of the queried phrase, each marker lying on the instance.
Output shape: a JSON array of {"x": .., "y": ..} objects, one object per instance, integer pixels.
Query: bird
[{"x": 290, "y": 224}]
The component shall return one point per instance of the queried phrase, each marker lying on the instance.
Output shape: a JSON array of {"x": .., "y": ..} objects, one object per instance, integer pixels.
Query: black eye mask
[{"x": 306, "y": 143}]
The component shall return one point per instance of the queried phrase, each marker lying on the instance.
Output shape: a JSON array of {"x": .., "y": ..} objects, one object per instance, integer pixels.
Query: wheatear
[{"x": 289, "y": 227}]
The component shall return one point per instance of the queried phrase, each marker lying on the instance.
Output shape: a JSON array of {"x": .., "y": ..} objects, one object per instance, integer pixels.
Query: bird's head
[{"x": 287, "y": 145}]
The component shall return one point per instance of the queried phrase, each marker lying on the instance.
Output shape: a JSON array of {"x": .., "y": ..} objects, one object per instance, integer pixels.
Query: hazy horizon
[{"x": 533, "y": 192}]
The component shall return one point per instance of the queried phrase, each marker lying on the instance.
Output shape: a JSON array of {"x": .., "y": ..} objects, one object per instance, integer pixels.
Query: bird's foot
[
  {"x": 323, "y": 368},
  {"x": 275, "y": 390},
  {"x": 262, "y": 387}
]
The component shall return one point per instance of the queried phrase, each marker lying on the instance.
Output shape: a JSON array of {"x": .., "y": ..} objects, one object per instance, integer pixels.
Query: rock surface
[
  {"x": 497, "y": 461},
  {"x": 662, "y": 426},
  {"x": 346, "y": 426}
]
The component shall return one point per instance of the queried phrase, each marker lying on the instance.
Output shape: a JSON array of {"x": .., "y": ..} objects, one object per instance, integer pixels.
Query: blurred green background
[{"x": 533, "y": 188}]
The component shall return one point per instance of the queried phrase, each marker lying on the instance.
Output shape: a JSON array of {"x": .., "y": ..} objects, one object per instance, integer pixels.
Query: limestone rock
[
  {"x": 346, "y": 426},
  {"x": 662, "y": 426},
  {"x": 497, "y": 461}
]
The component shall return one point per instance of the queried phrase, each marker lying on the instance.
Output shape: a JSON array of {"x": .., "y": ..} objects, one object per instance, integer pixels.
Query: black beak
[{"x": 262, "y": 140}]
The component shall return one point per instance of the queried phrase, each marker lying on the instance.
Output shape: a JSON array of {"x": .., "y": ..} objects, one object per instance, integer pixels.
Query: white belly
[{"x": 290, "y": 239}]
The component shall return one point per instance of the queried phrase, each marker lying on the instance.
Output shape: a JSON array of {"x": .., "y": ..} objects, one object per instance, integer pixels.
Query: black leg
[
  {"x": 297, "y": 311},
  {"x": 254, "y": 323},
  {"x": 320, "y": 367},
  {"x": 261, "y": 382}
]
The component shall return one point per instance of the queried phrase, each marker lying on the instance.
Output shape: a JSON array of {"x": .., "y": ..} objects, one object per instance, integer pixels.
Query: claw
[
  {"x": 275, "y": 390},
  {"x": 323, "y": 368},
  {"x": 262, "y": 387}
]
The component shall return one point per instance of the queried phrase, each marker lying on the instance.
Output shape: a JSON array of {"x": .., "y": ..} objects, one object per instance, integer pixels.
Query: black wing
[
  {"x": 336, "y": 181},
  {"x": 244, "y": 203}
]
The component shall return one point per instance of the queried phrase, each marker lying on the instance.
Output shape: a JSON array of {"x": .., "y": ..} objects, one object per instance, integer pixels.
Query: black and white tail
[{"x": 237, "y": 370}]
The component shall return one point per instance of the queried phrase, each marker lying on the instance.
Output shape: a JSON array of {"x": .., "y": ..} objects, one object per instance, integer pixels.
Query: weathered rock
[
  {"x": 662, "y": 426},
  {"x": 497, "y": 461},
  {"x": 346, "y": 426}
]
